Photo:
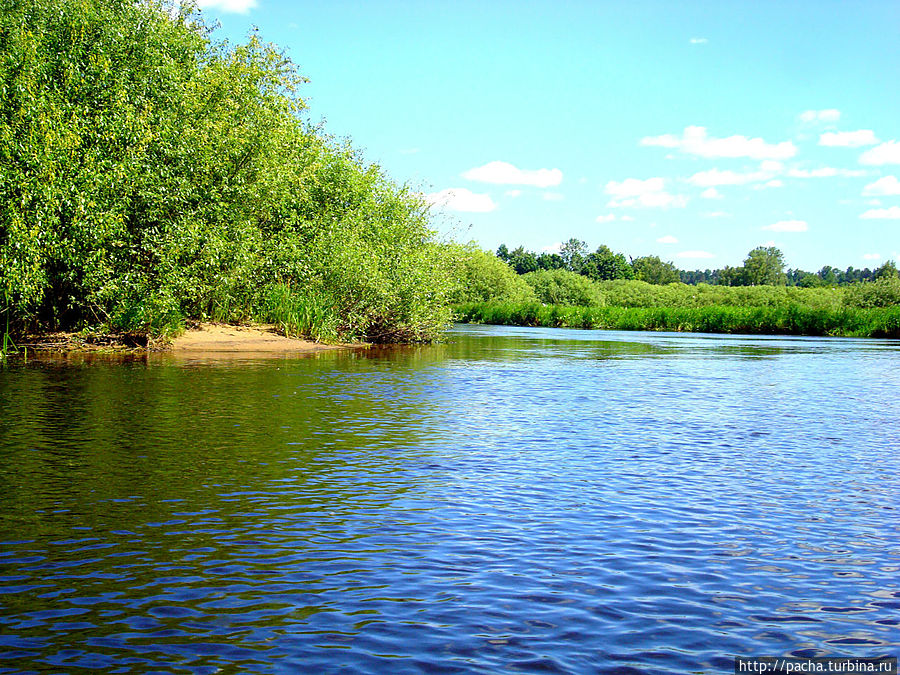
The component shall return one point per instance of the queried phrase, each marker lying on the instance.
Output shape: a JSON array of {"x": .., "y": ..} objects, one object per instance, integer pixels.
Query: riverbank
[
  {"x": 222, "y": 338},
  {"x": 200, "y": 338},
  {"x": 794, "y": 319}
]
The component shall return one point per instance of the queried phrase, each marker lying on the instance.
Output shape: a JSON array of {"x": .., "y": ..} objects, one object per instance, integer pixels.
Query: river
[{"x": 514, "y": 499}]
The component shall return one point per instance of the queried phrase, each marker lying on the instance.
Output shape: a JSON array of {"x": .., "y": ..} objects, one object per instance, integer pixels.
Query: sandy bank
[
  {"x": 214, "y": 340},
  {"x": 258, "y": 338}
]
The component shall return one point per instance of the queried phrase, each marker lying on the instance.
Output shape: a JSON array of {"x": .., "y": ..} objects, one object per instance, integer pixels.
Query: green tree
[
  {"x": 828, "y": 275},
  {"x": 572, "y": 253},
  {"x": 603, "y": 265},
  {"x": 653, "y": 270},
  {"x": 886, "y": 271},
  {"x": 764, "y": 266},
  {"x": 150, "y": 173},
  {"x": 523, "y": 261},
  {"x": 562, "y": 287},
  {"x": 550, "y": 261},
  {"x": 732, "y": 276},
  {"x": 482, "y": 277},
  {"x": 810, "y": 280}
]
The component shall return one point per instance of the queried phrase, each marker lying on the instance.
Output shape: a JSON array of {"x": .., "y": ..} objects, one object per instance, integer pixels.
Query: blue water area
[{"x": 513, "y": 500}]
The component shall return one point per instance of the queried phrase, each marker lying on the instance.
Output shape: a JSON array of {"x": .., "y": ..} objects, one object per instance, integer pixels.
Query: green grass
[
  {"x": 299, "y": 314},
  {"x": 792, "y": 319},
  {"x": 8, "y": 345}
]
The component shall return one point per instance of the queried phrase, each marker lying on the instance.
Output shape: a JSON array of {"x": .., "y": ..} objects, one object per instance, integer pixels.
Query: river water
[{"x": 515, "y": 499}]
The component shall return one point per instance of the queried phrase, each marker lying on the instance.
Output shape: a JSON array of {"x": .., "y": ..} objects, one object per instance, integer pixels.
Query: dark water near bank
[{"x": 514, "y": 500}]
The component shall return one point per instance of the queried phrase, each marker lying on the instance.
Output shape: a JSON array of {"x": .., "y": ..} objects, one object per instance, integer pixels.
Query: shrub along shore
[
  {"x": 562, "y": 298},
  {"x": 790, "y": 320},
  {"x": 153, "y": 175}
]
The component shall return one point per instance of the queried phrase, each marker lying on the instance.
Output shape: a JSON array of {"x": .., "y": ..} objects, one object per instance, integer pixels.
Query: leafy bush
[
  {"x": 885, "y": 292},
  {"x": 791, "y": 320},
  {"x": 562, "y": 287},
  {"x": 152, "y": 174},
  {"x": 483, "y": 277},
  {"x": 627, "y": 293}
]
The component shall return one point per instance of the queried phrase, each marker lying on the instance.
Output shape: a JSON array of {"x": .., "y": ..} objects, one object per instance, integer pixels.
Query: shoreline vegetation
[
  {"x": 156, "y": 178},
  {"x": 494, "y": 293},
  {"x": 790, "y": 320}
]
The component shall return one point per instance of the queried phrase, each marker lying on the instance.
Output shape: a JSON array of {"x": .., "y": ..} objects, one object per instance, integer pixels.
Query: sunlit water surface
[{"x": 514, "y": 499}]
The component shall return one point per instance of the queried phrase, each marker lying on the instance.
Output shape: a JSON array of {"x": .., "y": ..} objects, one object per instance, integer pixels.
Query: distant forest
[{"x": 763, "y": 265}]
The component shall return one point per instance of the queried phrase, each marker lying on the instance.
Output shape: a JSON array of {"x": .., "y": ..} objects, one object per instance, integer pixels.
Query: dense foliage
[
  {"x": 783, "y": 320},
  {"x": 482, "y": 276},
  {"x": 567, "y": 299},
  {"x": 152, "y": 174},
  {"x": 562, "y": 287}
]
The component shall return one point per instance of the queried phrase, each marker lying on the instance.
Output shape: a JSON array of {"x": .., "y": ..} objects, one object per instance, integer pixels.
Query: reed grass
[
  {"x": 299, "y": 314},
  {"x": 792, "y": 319},
  {"x": 8, "y": 344}
]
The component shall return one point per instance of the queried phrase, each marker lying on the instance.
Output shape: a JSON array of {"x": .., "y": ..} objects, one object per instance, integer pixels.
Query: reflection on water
[{"x": 529, "y": 499}]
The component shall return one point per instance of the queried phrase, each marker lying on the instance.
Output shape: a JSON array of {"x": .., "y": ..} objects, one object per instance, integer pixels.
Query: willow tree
[{"x": 151, "y": 173}]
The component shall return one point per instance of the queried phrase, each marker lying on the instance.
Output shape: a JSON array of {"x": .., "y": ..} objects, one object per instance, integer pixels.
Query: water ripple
[{"x": 517, "y": 499}]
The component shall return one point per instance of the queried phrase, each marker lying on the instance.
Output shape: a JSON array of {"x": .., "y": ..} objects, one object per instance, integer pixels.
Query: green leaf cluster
[
  {"x": 562, "y": 287},
  {"x": 482, "y": 276},
  {"x": 882, "y": 322},
  {"x": 153, "y": 174}
]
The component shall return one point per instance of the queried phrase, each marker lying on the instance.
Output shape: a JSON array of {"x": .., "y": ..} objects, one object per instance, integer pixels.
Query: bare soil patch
[
  {"x": 261, "y": 338},
  {"x": 201, "y": 338}
]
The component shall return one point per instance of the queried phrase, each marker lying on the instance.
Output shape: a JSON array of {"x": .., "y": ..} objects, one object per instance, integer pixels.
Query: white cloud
[
  {"x": 668, "y": 239},
  {"x": 634, "y": 187},
  {"x": 608, "y": 218},
  {"x": 828, "y": 115},
  {"x": 461, "y": 199},
  {"x": 892, "y": 213},
  {"x": 504, "y": 173},
  {"x": 552, "y": 196},
  {"x": 714, "y": 177},
  {"x": 886, "y": 153},
  {"x": 871, "y": 256},
  {"x": 695, "y": 254},
  {"x": 236, "y": 6},
  {"x": 629, "y": 219},
  {"x": 718, "y": 214},
  {"x": 694, "y": 141},
  {"x": 824, "y": 172},
  {"x": 652, "y": 200},
  {"x": 711, "y": 193},
  {"x": 766, "y": 174},
  {"x": 698, "y": 41},
  {"x": 648, "y": 193},
  {"x": 553, "y": 248},
  {"x": 889, "y": 185},
  {"x": 788, "y": 226},
  {"x": 513, "y": 193},
  {"x": 848, "y": 139}
]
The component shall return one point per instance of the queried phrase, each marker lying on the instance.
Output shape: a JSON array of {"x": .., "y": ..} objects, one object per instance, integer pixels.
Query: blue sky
[{"x": 690, "y": 130}]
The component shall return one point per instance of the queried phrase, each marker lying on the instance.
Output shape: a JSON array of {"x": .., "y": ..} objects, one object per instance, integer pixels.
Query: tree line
[{"x": 764, "y": 265}]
